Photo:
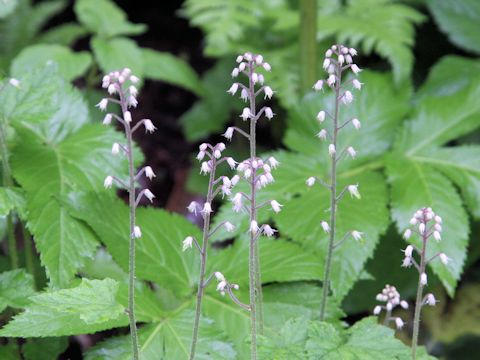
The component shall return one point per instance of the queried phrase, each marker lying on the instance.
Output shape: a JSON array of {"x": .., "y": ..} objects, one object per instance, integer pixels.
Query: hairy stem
[
  {"x": 203, "y": 263},
  {"x": 333, "y": 200},
  {"x": 308, "y": 43},
  {"x": 419, "y": 299},
  {"x": 8, "y": 181},
  {"x": 131, "y": 251}
]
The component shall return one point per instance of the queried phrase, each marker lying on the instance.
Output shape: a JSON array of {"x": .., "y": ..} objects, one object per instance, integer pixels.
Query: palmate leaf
[
  {"x": 105, "y": 18},
  {"x": 16, "y": 287},
  {"x": 459, "y": 20},
  {"x": 89, "y": 307},
  {"x": 417, "y": 185},
  {"x": 382, "y": 26}
]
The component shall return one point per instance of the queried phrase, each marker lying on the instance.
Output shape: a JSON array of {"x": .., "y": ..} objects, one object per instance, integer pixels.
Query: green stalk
[{"x": 308, "y": 44}]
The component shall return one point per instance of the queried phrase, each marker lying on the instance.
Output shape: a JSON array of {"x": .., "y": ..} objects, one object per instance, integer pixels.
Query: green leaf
[
  {"x": 459, "y": 20},
  {"x": 118, "y": 53},
  {"x": 9, "y": 352},
  {"x": 168, "y": 339},
  {"x": 159, "y": 253},
  {"x": 414, "y": 186},
  {"x": 7, "y": 7},
  {"x": 64, "y": 34},
  {"x": 363, "y": 341},
  {"x": 10, "y": 198},
  {"x": 49, "y": 172},
  {"x": 382, "y": 26},
  {"x": 105, "y": 18},
  {"x": 379, "y": 106},
  {"x": 89, "y": 307},
  {"x": 16, "y": 287},
  {"x": 71, "y": 65},
  {"x": 171, "y": 69},
  {"x": 301, "y": 216},
  {"x": 50, "y": 348}
]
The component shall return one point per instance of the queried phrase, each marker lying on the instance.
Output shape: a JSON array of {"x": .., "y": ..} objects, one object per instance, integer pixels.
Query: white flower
[
  {"x": 231, "y": 162},
  {"x": 430, "y": 300},
  {"x": 267, "y": 66},
  {"x": 235, "y": 179},
  {"x": 134, "y": 79},
  {"x": 356, "y": 84},
  {"x": 357, "y": 235},
  {"x": 356, "y": 123},
  {"x": 14, "y": 82},
  {"x": 193, "y": 207},
  {"x": 310, "y": 181},
  {"x": 149, "y": 195},
  {"x": 407, "y": 234},
  {"x": 413, "y": 221},
  {"x": 229, "y": 226},
  {"x": 219, "y": 276},
  {"x": 389, "y": 306},
  {"x": 244, "y": 95},
  {"x": 263, "y": 180},
  {"x": 331, "y": 80},
  {"x": 221, "y": 285},
  {"x": 137, "y": 232},
  {"x": 421, "y": 228},
  {"x": 220, "y": 146},
  {"x": 259, "y": 59},
  {"x": 149, "y": 172},
  {"x": 269, "y": 113},
  {"x": 245, "y": 114},
  {"x": 149, "y": 127},
  {"x": 436, "y": 235},
  {"x": 132, "y": 102},
  {"x": 237, "y": 202},
  {"x": 235, "y": 72},
  {"x": 348, "y": 59},
  {"x": 254, "y": 227},
  {"x": 127, "y": 116},
  {"x": 105, "y": 81},
  {"x": 187, "y": 243},
  {"x": 353, "y": 190},
  {"x": 107, "y": 183},
  {"x": 352, "y": 51},
  {"x": 341, "y": 59},
  {"x": 217, "y": 154},
  {"x": 273, "y": 162},
  {"x": 107, "y": 119},
  {"x": 115, "y": 148},
  {"x": 438, "y": 219},
  {"x": 438, "y": 227},
  {"x": 241, "y": 66},
  {"x": 381, "y": 297},
  {"x": 229, "y": 133},
  {"x": 347, "y": 98},
  {"x": 328, "y": 53},
  {"x": 203, "y": 147},
  {"x": 233, "y": 89},
  {"x": 239, "y": 59},
  {"x": 205, "y": 168},
  {"x": 268, "y": 231},
  {"x": 404, "y": 304},
  {"x": 326, "y": 63},
  {"x": 112, "y": 89},
  {"x": 318, "y": 85},
  {"x": 331, "y": 149},
  {"x": 201, "y": 155},
  {"x": 377, "y": 310},
  {"x": 268, "y": 92},
  {"x": 423, "y": 279},
  {"x": 355, "y": 69},
  {"x": 226, "y": 190},
  {"x": 254, "y": 78},
  {"x": 321, "y": 116},
  {"x": 102, "y": 105},
  {"x": 408, "y": 251},
  {"x": 344, "y": 49},
  {"x": 322, "y": 134},
  {"x": 133, "y": 90},
  {"x": 276, "y": 206},
  {"x": 207, "y": 208},
  {"x": 351, "y": 151},
  {"x": 407, "y": 262},
  {"x": 399, "y": 323},
  {"x": 325, "y": 226},
  {"x": 444, "y": 259}
]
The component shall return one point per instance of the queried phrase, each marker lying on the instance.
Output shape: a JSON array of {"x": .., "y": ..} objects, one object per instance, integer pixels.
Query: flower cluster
[
  {"x": 121, "y": 84},
  {"x": 391, "y": 297}
]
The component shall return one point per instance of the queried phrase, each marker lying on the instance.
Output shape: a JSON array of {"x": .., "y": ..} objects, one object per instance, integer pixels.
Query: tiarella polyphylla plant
[
  {"x": 426, "y": 224},
  {"x": 122, "y": 84},
  {"x": 338, "y": 60},
  {"x": 257, "y": 173},
  {"x": 221, "y": 185},
  {"x": 391, "y": 297}
]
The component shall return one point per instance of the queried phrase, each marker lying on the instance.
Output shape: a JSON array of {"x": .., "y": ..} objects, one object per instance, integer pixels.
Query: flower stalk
[{"x": 116, "y": 83}]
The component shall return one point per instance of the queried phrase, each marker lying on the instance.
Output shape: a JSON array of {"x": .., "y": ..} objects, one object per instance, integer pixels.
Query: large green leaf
[
  {"x": 379, "y": 106},
  {"x": 301, "y": 217},
  {"x": 459, "y": 20},
  {"x": 70, "y": 64},
  {"x": 89, "y": 307},
  {"x": 166, "y": 67},
  {"x": 16, "y": 287},
  {"x": 118, "y": 53},
  {"x": 64, "y": 34},
  {"x": 10, "y": 198},
  {"x": 416, "y": 185},
  {"x": 382, "y": 26},
  {"x": 105, "y": 18}
]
